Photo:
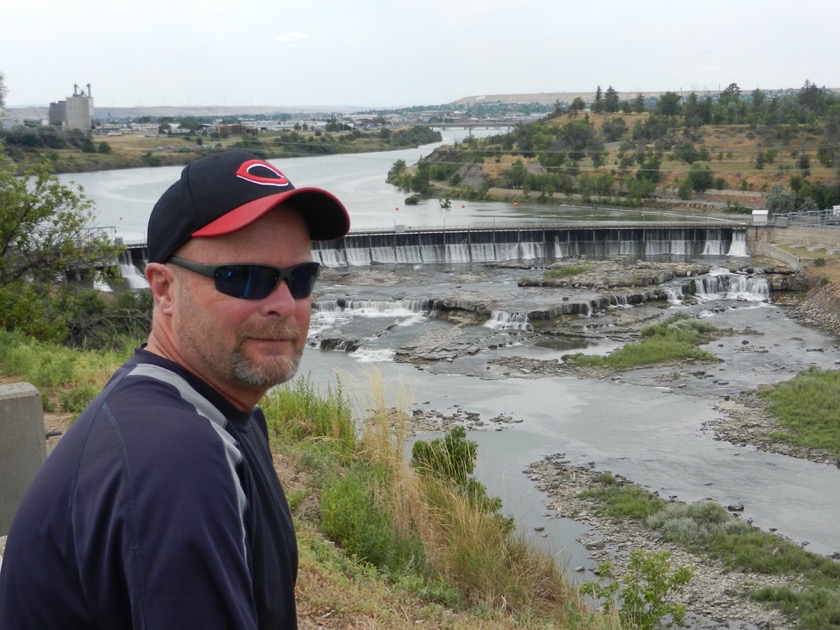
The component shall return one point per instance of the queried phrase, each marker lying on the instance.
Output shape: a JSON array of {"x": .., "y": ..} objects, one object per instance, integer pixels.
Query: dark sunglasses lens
[
  {"x": 255, "y": 282},
  {"x": 249, "y": 282},
  {"x": 302, "y": 280}
]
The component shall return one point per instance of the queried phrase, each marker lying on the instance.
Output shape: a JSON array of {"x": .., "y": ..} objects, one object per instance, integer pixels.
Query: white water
[
  {"x": 353, "y": 254},
  {"x": 721, "y": 284},
  {"x": 132, "y": 275},
  {"x": 502, "y": 320},
  {"x": 738, "y": 246}
]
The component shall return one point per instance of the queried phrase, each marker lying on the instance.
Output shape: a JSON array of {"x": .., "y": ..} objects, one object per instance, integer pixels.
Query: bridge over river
[{"x": 527, "y": 242}]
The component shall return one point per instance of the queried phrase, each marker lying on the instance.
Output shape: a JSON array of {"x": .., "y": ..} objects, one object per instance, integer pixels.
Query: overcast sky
[{"x": 405, "y": 52}]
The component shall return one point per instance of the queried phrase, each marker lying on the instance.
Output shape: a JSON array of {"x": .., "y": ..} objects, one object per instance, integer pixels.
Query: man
[{"x": 160, "y": 507}]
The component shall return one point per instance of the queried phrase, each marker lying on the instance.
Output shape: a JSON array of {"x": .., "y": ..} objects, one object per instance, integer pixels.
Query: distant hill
[{"x": 549, "y": 98}]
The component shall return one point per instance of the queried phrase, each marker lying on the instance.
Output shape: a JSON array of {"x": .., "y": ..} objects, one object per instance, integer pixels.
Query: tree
[
  {"x": 669, "y": 104},
  {"x": 812, "y": 97},
  {"x": 46, "y": 234},
  {"x": 190, "y": 123},
  {"x": 639, "y": 103},
  {"x": 515, "y": 177},
  {"x": 828, "y": 152},
  {"x": 598, "y": 104},
  {"x": 614, "y": 128},
  {"x": 758, "y": 97},
  {"x": 780, "y": 199},
  {"x": 693, "y": 111},
  {"x": 452, "y": 459},
  {"x": 732, "y": 92},
  {"x": 611, "y": 103},
  {"x": 580, "y": 138}
]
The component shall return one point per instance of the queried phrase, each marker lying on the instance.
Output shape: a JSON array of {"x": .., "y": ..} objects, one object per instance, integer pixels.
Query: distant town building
[{"x": 76, "y": 112}]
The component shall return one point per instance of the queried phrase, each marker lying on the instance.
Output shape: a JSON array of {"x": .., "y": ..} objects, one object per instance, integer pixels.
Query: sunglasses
[{"x": 255, "y": 282}]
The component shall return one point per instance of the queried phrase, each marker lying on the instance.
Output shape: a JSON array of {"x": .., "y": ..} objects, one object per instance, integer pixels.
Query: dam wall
[
  {"x": 466, "y": 245},
  {"x": 495, "y": 245}
]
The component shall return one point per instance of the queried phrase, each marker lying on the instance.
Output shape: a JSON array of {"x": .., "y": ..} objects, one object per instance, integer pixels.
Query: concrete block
[{"x": 23, "y": 446}]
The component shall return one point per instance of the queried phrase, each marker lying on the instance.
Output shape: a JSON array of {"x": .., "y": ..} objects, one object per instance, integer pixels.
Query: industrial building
[{"x": 76, "y": 112}]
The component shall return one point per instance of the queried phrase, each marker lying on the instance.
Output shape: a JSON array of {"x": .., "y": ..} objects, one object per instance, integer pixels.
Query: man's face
[{"x": 235, "y": 344}]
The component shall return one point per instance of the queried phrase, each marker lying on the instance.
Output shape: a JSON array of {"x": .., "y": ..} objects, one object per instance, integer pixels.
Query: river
[{"x": 634, "y": 426}]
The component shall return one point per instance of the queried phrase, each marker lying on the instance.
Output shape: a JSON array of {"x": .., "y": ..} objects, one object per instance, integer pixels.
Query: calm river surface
[{"x": 650, "y": 433}]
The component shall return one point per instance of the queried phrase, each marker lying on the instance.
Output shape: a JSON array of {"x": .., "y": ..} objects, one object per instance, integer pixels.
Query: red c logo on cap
[{"x": 272, "y": 178}]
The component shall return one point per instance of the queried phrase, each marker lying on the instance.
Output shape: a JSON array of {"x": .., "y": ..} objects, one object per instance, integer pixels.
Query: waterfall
[
  {"x": 674, "y": 294},
  {"x": 373, "y": 355},
  {"x": 620, "y": 301},
  {"x": 721, "y": 284},
  {"x": 374, "y": 308},
  {"x": 738, "y": 247},
  {"x": 502, "y": 320},
  {"x": 132, "y": 275},
  {"x": 456, "y": 253}
]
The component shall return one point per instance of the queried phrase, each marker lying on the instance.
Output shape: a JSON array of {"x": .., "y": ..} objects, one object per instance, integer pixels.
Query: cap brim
[{"x": 325, "y": 216}]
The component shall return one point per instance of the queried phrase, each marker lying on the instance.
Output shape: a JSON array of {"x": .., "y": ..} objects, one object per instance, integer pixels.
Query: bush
[
  {"x": 452, "y": 459},
  {"x": 691, "y": 525},
  {"x": 644, "y": 590}
]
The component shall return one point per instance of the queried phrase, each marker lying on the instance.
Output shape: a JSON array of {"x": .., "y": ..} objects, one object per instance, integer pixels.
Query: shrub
[
  {"x": 694, "y": 524},
  {"x": 452, "y": 458},
  {"x": 644, "y": 590}
]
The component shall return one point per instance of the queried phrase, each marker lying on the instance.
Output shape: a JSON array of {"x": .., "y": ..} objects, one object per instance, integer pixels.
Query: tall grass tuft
[{"x": 298, "y": 412}]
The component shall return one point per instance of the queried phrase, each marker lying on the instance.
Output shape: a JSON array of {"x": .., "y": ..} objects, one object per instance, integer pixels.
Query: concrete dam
[
  {"x": 531, "y": 243},
  {"x": 465, "y": 245}
]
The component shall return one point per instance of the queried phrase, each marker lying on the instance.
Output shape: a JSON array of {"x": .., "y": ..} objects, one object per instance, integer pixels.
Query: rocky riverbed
[{"x": 716, "y": 596}]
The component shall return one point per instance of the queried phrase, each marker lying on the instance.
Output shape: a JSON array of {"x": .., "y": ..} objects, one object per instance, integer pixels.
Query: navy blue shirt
[{"x": 159, "y": 508}]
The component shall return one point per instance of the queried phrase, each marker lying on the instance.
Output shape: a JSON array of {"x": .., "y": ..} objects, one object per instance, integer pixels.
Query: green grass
[
  {"x": 811, "y": 594},
  {"x": 808, "y": 409},
  {"x": 622, "y": 501},
  {"x": 565, "y": 272},
  {"x": 675, "y": 339},
  {"x": 66, "y": 378}
]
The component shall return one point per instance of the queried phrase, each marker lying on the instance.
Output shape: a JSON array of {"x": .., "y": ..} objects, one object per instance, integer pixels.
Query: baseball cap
[{"x": 227, "y": 191}]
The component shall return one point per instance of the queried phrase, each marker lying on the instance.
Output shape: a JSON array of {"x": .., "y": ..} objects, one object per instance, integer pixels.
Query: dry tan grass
[{"x": 732, "y": 150}]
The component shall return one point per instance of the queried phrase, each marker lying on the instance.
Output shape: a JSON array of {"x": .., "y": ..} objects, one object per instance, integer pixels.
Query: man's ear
[{"x": 161, "y": 279}]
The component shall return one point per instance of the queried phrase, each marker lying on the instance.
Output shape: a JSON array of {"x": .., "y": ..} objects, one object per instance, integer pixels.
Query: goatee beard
[
  {"x": 245, "y": 372},
  {"x": 278, "y": 369}
]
